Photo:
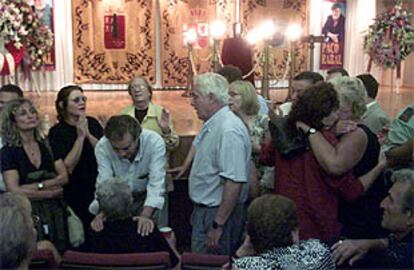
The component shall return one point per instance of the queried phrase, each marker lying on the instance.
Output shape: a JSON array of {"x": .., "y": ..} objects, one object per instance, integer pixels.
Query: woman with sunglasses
[
  {"x": 30, "y": 168},
  {"x": 74, "y": 139}
]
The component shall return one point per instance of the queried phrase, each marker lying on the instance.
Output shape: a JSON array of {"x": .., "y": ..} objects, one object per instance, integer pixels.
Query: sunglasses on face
[{"x": 79, "y": 99}]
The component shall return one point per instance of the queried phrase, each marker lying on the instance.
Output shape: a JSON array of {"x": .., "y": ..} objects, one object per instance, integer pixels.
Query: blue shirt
[
  {"x": 145, "y": 173},
  {"x": 223, "y": 151},
  {"x": 264, "y": 110}
]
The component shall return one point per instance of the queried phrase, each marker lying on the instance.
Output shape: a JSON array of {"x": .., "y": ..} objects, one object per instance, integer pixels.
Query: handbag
[
  {"x": 287, "y": 140},
  {"x": 75, "y": 228}
]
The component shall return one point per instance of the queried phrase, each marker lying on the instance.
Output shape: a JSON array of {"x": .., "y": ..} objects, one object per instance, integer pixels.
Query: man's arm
[
  {"x": 230, "y": 197},
  {"x": 155, "y": 186},
  {"x": 354, "y": 250},
  {"x": 105, "y": 170}
]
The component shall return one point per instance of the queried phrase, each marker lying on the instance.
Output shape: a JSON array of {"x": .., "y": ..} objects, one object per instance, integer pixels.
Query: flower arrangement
[
  {"x": 20, "y": 26},
  {"x": 390, "y": 39}
]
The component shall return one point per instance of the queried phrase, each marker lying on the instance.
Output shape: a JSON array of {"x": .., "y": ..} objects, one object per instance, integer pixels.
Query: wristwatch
[
  {"x": 40, "y": 186},
  {"x": 216, "y": 225},
  {"x": 310, "y": 132}
]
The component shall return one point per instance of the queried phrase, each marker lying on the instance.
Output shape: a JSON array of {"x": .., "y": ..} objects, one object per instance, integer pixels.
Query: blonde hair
[
  {"x": 250, "y": 103},
  {"x": 351, "y": 91},
  {"x": 9, "y": 131}
]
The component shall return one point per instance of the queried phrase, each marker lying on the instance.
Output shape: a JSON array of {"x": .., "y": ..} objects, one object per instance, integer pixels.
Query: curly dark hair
[
  {"x": 270, "y": 221},
  {"x": 316, "y": 103}
]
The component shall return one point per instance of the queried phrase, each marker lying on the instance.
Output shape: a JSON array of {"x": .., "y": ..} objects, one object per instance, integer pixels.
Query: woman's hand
[
  {"x": 178, "y": 171},
  {"x": 302, "y": 126},
  {"x": 97, "y": 223},
  {"x": 345, "y": 126},
  {"x": 164, "y": 122},
  {"x": 82, "y": 128},
  {"x": 145, "y": 225}
]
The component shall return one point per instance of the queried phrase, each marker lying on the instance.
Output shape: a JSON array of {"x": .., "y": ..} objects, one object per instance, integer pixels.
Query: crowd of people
[{"x": 321, "y": 181}]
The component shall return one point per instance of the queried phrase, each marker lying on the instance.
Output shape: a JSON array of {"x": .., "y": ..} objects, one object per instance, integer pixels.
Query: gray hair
[
  {"x": 351, "y": 91},
  {"x": 17, "y": 239},
  {"x": 115, "y": 198},
  {"x": 406, "y": 176},
  {"x": 215, "y": 84}
]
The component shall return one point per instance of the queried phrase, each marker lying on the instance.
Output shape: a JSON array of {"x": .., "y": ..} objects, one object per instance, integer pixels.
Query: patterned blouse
[
  {"x": 259, "y": 130},
  {"x": 310, "y": 254}
]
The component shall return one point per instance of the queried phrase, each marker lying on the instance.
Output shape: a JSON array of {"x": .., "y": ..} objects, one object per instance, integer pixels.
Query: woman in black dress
[
  {"x": 30, "y": 168},
  {"x": 74, "y": 138}
]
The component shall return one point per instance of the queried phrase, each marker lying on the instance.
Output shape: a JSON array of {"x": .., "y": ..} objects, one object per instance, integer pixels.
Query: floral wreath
[
  {"x": 22, "y": 30},
  {"x": 390, "y": 39}
]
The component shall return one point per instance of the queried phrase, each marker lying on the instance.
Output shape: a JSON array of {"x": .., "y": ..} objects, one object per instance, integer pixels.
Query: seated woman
[
  {"x": 244, "y": 103},
  {"x": 272, "y": 240},
  {"x": 30, "y": 168},
  {"x": 153, "y": 117},
  {"x": 74, "y": 138},
  {"x": 357, "y": 150},
  {"x": 119, "y": 234},
  {"x": 301, "y": 178},
  {"x": 18, "y": 234}
]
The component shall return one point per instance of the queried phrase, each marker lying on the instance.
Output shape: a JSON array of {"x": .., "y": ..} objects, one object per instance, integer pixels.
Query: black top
[
  {"x": 79, "y": 192},
  {"x": 370, "y": 158},
  {"x": 362, "y": 218},
  {"x": 140, "y": 114},
  {"x": 15, "y": 158},
  {"x": 120, "y": 236}
]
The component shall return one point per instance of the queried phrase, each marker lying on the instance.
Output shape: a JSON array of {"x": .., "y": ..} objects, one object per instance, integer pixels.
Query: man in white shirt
[{"x": 137, "y": 156}]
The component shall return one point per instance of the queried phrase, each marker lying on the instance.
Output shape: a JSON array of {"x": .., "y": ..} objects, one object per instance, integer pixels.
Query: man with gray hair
[
  {"x": 138, "y": 157},
  {"x": 219, "y": 175},
  {"x": 395, "y": 251}
]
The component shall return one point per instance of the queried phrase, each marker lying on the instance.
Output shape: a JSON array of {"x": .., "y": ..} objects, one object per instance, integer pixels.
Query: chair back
[
  {"x": 43, "y": 259},
  {"x": 132, "y": 261},
  {"x": 194, "y": 261}
]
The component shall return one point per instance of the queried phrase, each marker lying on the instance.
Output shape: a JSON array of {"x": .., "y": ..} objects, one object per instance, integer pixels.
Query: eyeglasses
[
  {"x": 79, "y": 99},
  {"x": 139, "y": 87},
  {"x": 36, "y": 219}
]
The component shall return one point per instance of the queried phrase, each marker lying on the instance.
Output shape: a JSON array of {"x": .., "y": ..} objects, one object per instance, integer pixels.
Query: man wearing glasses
[{"x": 137, "y": 156}]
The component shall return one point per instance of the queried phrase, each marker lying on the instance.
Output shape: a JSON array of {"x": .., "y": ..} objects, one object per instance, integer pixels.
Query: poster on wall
[
  {"x": 44, "y": 9},
  {"x": 332, "y": 50}
]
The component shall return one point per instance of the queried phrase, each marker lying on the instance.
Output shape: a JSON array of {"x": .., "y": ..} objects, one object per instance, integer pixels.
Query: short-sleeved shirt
[
  {"x": 145, "y": 173},
  {"x": 15, "y": 158},
  {"x": 402, "y": 128},
  {"x": 81, "y": 186},
  {"x": 223, "y": 151}
]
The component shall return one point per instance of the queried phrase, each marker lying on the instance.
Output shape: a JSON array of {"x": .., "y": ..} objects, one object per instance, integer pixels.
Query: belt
[{"x": 200, "y": 205}]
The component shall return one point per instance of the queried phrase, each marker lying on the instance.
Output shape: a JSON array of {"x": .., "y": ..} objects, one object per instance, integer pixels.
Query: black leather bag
[{"x": 288, "y": 141}]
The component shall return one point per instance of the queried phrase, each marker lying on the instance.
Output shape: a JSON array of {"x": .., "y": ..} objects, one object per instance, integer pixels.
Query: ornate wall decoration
[
  {"x": 113, "y": 42},
  {"x": 283, "y": 13},
  {"x": 174, "y": 15}
]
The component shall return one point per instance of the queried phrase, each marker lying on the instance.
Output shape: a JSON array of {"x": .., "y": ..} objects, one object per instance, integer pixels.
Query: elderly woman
[
  {"x": 30, "y": 168},
  {"x": 244, "y": 103},
  {"x": 272, "y": 240},
  {"x": 119, "y": 234},
  {"x": 301, "y": 178},
  {"x": 357, "y": 150},
  {"x": 74, "y": 138},
  {"x": 17, "y": 233},
  {"x": 153, "y": 117}
]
